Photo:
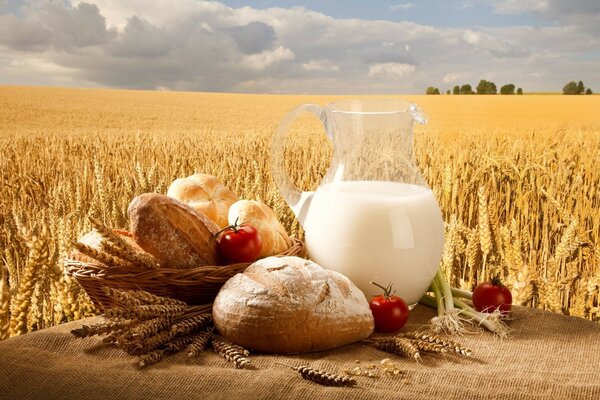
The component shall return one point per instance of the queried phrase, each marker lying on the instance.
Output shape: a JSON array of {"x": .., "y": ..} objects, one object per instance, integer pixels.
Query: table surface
[{"x": 546, "y": 355}]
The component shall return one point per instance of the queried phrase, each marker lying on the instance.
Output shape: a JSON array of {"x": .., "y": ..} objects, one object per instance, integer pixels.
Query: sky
[{"x": 300, "y": 46}]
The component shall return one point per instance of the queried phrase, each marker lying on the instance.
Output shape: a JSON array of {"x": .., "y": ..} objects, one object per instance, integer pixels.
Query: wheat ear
[
  {"x": 120, "y": 247},
  {"x": 322, "y": 377}
]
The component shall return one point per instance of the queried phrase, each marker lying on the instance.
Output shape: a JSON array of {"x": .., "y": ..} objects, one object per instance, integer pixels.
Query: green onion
[
  {"x": 454, "y": 313},
  {"x": 465, "y": 294}
]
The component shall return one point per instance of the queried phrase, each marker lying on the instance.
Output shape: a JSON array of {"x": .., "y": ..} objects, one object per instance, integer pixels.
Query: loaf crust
[
  {"x": 275, "y": 239},
  {"x": 204, "y": 193},
  {"x": 291, "y": 305},
  {"x": 175, "y": 234}
]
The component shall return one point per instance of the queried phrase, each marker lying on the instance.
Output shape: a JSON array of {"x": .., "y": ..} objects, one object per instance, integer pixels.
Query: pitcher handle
[{"x": 292, "y": 195}]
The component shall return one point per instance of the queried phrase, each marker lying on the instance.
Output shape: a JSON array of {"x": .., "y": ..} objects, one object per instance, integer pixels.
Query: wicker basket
[{"x": 194, "y": 286}]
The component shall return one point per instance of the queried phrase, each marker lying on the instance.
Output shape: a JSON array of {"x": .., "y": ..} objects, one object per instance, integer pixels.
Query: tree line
[
  {"x": 576, "y": 88},
  {"x": 487, "y": 87},
  {"x": 484, "y": 87}
]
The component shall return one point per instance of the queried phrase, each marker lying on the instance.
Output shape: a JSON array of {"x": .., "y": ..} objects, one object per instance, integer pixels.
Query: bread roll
[
  {"x": 175, "y": 234},
  {"x": 275, "y": 239},
  {"x": 204, "y": 193},
  {"x": 291, "y": 305}
]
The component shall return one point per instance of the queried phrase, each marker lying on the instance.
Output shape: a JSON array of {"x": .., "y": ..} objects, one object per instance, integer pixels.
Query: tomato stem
[
  {"x": 496, "y": 281},
  {"x": 387, "y": 291},
  {"x": 235, "y": 227}
]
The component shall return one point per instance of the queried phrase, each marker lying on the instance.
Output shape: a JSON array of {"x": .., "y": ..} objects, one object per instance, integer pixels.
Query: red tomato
[
  {"x": 491, "y": 296},
  {"x": 389, "y": 312},
  {"x": 239, "y": 243}
]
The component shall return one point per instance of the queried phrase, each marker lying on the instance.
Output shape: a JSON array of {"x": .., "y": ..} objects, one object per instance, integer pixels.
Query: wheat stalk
[
  {"x": 395, "y": 345},
  {"x": 485, "y": 236},
  {"x": 38, "y": 257},
  {"x": 117, "y": 246},
  {"x": 235, "y": 354},
  {"x": 322, "y": 377},
  {"x": 4, "y": 306},
  {"x": 200, "y": 342},
  {"x": 101, "y": 256}
]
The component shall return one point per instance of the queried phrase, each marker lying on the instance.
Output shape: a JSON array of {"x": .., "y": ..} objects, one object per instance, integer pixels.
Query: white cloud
[
  {"x": 449, "y": 78},
  {"x": 396, "y": 70},
  {"x": 402, "y": 6},
  {"x": 320, "y": 65},
  {"x": 465, "y": 4},
  {"x": 580, "y": 15},
  {"x": 54, "y": 24},
  {"x": 206, "y": 45},
  {"x": 268, "y": 57},
  {"x": 207, "y": 27},
  {"x": 471, "y": 37},
  {"x": 486, "y": 43},
  {"x": 519, "y": 6},
  {"x": 39, "y": 64}
]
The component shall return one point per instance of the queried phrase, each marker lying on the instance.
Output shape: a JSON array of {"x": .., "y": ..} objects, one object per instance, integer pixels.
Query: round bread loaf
[
  {"x": 175, "y": 234},
  {"x": 275, "y": 239},
  {"x": 204, "y": 193},
  {"x": 291, "y": 305}
]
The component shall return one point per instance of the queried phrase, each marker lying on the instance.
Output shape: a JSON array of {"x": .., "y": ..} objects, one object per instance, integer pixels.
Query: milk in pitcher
[{"x": 386, "y": 232}]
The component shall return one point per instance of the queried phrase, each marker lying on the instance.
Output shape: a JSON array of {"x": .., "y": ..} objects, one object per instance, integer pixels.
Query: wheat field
[{"x": 517, "y": 179}]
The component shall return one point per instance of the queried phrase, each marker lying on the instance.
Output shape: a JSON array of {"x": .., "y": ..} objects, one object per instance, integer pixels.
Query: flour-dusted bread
[
  {"x": 175, "y": 234},
  {"x": 204, "y": 193},
  {"x": 291, "y": 305},
  {"x": 275, "y": 239}
]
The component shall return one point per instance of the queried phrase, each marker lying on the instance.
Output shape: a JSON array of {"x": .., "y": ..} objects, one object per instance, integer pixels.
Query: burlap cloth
[{"x": 547, "y": 356}]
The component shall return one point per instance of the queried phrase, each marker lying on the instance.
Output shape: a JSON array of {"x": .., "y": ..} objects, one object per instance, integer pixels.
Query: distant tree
[
  {"x": 466, "y": 89},
  {"x": 507, "y": 89},
  {"x": 486, "y": 87},
  {"x": 580, "y": 87},
  {"x": 519, "y": 91},
  {"x": 570, "y": 88},
  {"x": 432, "y": 90},
  {"x": 482, "y": 87},
  {"x": 588, "y": 91},
  {"x": 448, "y": 91},
  {"x": 456, "y": 90}
]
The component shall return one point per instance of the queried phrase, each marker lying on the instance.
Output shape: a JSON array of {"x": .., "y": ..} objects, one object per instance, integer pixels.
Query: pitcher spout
[{"x": 300, "y": 209}]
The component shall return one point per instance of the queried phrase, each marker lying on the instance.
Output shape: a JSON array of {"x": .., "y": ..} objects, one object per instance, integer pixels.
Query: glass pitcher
[{"x": 373, "y": 217}]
